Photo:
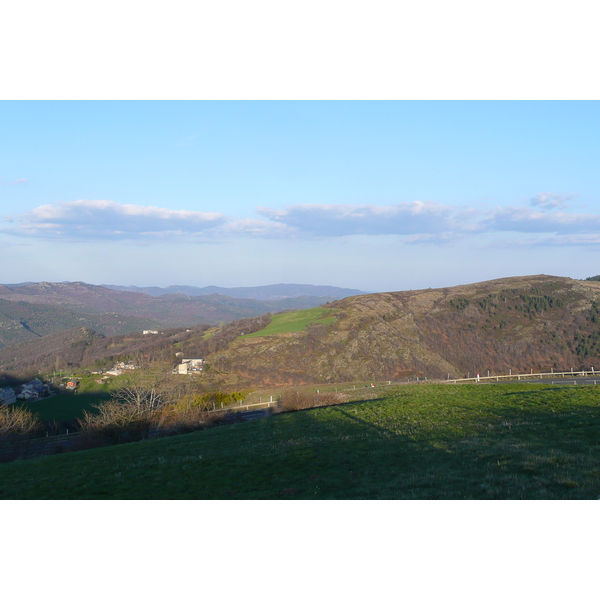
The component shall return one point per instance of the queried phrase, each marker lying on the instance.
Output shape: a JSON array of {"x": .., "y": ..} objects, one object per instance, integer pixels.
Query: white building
[
  {"x": 7, "y": 395},
  {"x": 28, "y": 395},
  {"x": 190, "y": 364}
]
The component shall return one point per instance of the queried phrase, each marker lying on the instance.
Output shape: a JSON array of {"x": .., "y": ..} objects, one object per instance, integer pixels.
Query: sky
[
  {"x": 374, "y": 195},
  {"x": 399, "y": 147}
]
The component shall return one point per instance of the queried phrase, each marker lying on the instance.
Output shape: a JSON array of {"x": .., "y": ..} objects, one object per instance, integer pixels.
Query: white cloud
[
  {"x": 104, "y": 219},
  {"x": 257, "y": 228},
  {"x": 535, "y": 221},
  {"x": 410, "y": 222},
  {"x": 549, "y": 201},
  {"x": 434, "y": 223},
  {"x": 335, "y": 220}
]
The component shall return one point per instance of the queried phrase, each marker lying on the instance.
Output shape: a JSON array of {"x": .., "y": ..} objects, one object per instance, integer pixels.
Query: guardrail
[{"x": 526, "y": 376}]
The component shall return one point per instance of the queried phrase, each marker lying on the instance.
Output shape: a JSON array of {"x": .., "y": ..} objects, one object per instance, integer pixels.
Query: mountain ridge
[
  {"x": 516, "y": 322},
  {"x": 535, "y": 322},
  {"x": 279, "y": 291},
  {"x": 170, "y": 310}
]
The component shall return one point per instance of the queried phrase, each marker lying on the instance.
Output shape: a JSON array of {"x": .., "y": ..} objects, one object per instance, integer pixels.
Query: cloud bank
[
  {"x": 535, "y": 221},
  {"x": 424, "y": 222},
  {"x": 104, "y": 219},
  {"x": 411, "y": 222},
  {"x": 335, "y": 220}
]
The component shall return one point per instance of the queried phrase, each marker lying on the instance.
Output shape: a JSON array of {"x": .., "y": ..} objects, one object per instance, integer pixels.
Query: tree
[
  {"x": 16, "y": 421},
  {"x": 133, "y": 409}
]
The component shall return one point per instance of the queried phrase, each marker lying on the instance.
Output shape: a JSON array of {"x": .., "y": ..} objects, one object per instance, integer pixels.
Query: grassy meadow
[
  {"x": 65, "y": 407},
  {"x": 297, "y": 320},
  {"x": 70, "y": 406},
  {"x": 510, "y": 441}
]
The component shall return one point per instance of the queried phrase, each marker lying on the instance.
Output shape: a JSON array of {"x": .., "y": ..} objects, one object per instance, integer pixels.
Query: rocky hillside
[{"x": 518, "y": 323}]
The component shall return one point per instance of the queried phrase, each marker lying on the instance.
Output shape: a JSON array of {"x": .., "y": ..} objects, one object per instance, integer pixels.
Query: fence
[
  {"x": 526, "y": 376},
  {"x": 241, "y": 406}
]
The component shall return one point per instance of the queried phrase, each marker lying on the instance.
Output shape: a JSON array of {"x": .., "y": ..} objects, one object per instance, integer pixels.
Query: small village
[
  {"x": 36, "y": 389},
  {"x": 32, "y": 390}
]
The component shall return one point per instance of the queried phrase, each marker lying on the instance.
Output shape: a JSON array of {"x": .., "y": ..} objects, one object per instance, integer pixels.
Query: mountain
[
  {"x": 23, "y": 321},
  {"x": 279, "y": 291},
  {"x": 171, "y": 310},
  {"x": 518, "y": 323},
  {"x": 81, "y": 346}
]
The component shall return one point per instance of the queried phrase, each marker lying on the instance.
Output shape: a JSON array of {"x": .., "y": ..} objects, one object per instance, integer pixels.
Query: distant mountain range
[
  {"x": 279, "y": 291},
  {"x": 29, "y": 310}
]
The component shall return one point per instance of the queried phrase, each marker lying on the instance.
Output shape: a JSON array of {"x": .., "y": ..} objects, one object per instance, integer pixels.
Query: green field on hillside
[
  {"x": 69, "y": 406},
  {"x": 513, "y": 441},
  {"x": 65, "y": 407},
  {"x": 297, "y": 320}
]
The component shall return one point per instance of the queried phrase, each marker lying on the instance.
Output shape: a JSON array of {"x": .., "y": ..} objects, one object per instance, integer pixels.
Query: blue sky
[{"x": 376, "y": 195}]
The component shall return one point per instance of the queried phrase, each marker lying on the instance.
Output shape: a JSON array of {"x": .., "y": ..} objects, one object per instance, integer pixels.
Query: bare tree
[
  {"x": 134, "y": 409},
  {"x": 139, "y": 398},
  {"x": 17, "y": 421}
]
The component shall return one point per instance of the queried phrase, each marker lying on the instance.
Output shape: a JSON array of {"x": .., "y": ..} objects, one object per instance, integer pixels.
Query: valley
[
  {"x": 538, "y": 322},
  {"x": 341, "y": 379}
]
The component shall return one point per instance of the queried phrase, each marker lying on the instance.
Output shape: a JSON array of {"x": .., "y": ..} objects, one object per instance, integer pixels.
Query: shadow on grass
[
  {"x": 66, "y": 407},
  {"x": 406, "y": 447}
]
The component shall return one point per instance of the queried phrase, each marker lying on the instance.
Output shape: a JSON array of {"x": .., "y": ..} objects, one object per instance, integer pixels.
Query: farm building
[
  {"x": 33, "y": 390},
  {"x": 7, "y": 395},
  {"x": 190, "y": 364}
]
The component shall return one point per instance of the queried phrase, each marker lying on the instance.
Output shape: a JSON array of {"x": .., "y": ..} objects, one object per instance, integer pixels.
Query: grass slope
[
  {"x": 64, "y": 407},
  {"x": 70, "y": 406},
  {"x": 297, "y": 320},
  {"x": 413, "y": 442}
]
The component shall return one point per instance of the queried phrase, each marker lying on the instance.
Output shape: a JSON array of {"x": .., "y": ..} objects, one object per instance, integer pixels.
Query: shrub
[
  {"x": 17, "y": 427},
  {"x": 189, "y": 413},
  {"x": 136, "y": 413},
  {"x": 118, "y": 421}
]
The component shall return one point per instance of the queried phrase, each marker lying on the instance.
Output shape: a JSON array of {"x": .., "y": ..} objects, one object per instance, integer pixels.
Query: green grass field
[
  {"x": 513, "y": 441},
  {"x": 69, "y": 406},
  {"x": 65, "y": 407},
  {"x": 297, "y": 320}
]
